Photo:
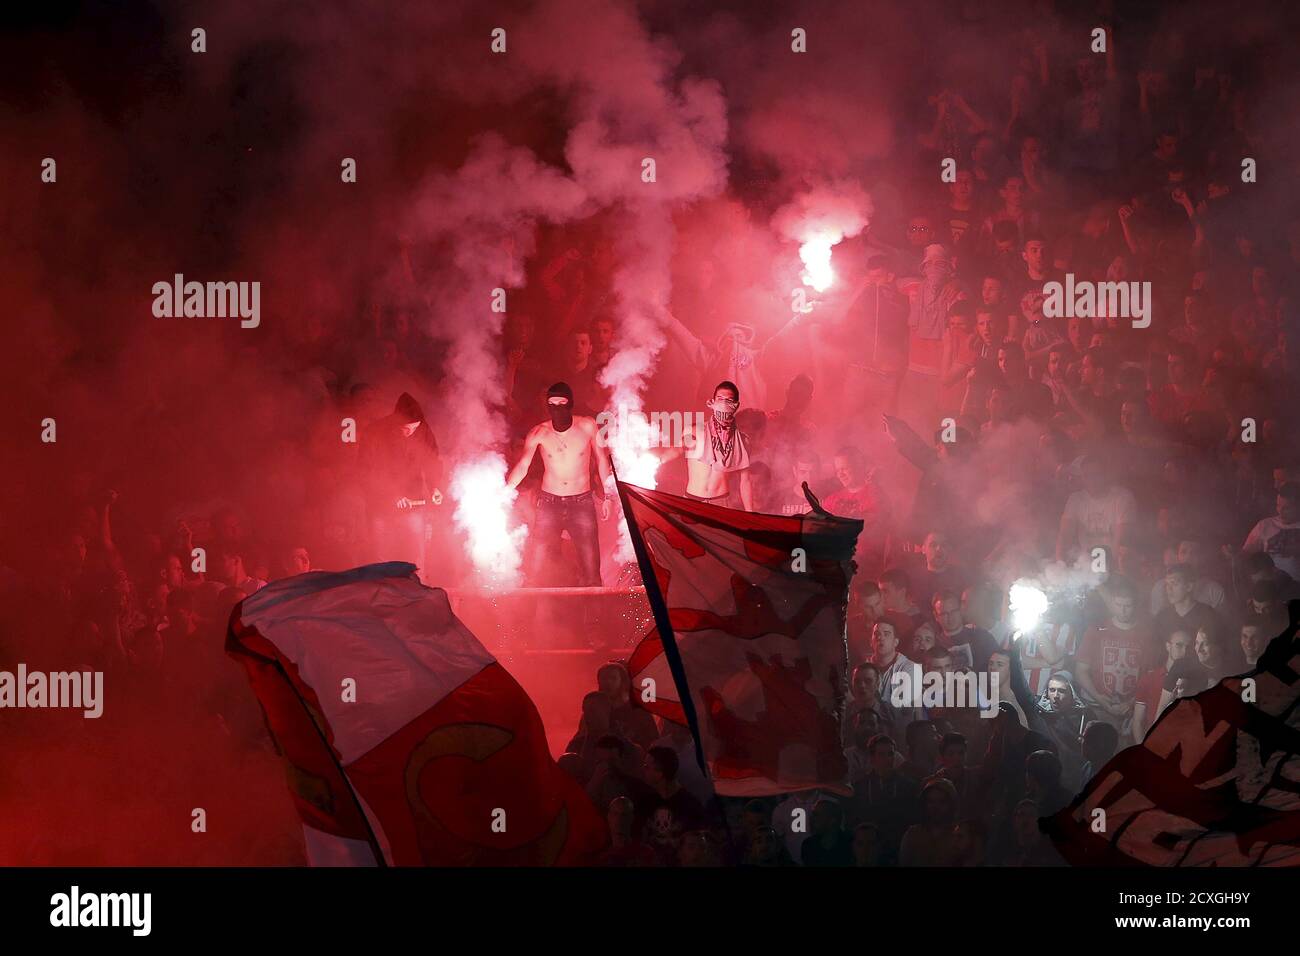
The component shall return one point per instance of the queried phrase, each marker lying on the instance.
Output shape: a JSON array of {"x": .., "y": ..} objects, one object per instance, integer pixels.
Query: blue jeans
[{"x": 577, "y": 515}]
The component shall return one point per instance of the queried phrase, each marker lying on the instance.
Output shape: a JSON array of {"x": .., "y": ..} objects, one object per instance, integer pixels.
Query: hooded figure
[{"x": 399, "y": 458}]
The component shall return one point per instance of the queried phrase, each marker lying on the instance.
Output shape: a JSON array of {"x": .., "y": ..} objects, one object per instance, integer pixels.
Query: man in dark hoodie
[{"x": 399, "y": 459}]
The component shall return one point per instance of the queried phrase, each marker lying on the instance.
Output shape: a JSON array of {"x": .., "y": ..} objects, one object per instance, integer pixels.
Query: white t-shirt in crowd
[
  {"x": 1100, "y": 516},
  {"x": 1279, "y": 541}
]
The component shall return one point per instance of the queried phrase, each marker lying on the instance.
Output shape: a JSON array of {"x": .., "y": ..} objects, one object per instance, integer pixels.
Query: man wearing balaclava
[
  {"x": 717, "y": 461},
  {"x": 566, "y": 501},
  {"x": 401, "y": 467}
]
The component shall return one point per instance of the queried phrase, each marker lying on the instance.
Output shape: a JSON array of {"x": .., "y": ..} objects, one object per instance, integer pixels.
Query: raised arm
[{"x": 695, "y": 350}]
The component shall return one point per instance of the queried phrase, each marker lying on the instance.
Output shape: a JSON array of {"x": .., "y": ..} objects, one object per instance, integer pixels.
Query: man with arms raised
[
  {"x": 716, "y": 455},
  {"x": 564, "y": 503}
]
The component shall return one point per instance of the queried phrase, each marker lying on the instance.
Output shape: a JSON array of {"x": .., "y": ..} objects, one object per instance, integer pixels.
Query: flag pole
[{"x": 660, "y": 610}]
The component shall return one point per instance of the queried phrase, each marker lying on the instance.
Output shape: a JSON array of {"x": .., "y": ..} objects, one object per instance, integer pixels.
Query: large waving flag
[
  {"x": 406, "y": 742},
  {"x": 1216, "y": 782},
  {"x": 750, "y": 613}
]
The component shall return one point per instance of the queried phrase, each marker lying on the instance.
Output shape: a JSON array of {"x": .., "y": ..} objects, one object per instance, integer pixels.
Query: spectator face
[
  {"x": 1011, "y": 364},
  {"x": 174, "y": 574},
  {"x": 579, "y": 347},
  {"x": 1000, "y": 664},
  {"x": 604, "y": 334},
  {"x": 1206, "y": 652},
  {"x": 953, "y": 756},
  {"x": 1287, "y": 511},
  {"x": 882, "y": 757},
  {"x": 935, "y": 549},
  {"x": 1261, "y": 283},
  {"x": 1177, "y": 645},
  {"x": 1123, "y": 609},
  {"x": 620, "y": 817},
  {"x": 865, "y": 725},
  {"x": 1035, "y": 255},
  {"x": 959, "y": 326},
  {"x": 866, "y": 685},
  {"x": 923, "y": 640},
  {"x": 1252, "y": 641},
  {"x": 1091, "y": 374},
  {"x": 1177, "y": 588},
  {"x": 963, "y": 187},
  {"x": 1013, "y": 192},
  {"x": 874, "y": 605},
  {"x": 884, "y": 641},
  {"x": 991, "y": 291},
  {"x": 947, "y": 614},
  {"x": 920, "y": 232},
  {"x": 1055, "y": 364},
  {"x": 880, "y": 276},
  {"x": 984, "y": 327},
  {"x": 845, "y": 473},
  {"x": 941, "y": 665},
  {"x": 611, "y": 682},
  {"x": 803, "y": 472},
  {"x": 1031, "y": 306},
  {"x": 1059, "y": 695},
  {"x": 1189, "y": 552}
]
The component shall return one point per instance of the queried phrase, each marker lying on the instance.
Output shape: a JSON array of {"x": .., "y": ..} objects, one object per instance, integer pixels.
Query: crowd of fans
[{"x": 1143, "y": 476}]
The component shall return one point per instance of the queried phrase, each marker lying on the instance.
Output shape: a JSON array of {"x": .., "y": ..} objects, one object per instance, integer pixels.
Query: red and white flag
[
  {"x": 1216, "y": 782},
  {"x": 406, "y": 742},
  {"x": 756, "y": 605}
]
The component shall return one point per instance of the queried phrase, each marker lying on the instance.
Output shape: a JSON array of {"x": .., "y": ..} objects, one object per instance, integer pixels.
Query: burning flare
[
  {"x": 483, "y": 503},
  {"x": 816, "y": 255}
]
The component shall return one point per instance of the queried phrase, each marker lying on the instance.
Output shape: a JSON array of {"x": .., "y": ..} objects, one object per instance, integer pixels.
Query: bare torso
[
  {"x": 566, "y": 455},
  {"x": 702, "y": 480}
]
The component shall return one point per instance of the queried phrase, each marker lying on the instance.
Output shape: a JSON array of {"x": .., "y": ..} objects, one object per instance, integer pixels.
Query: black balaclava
[{"x": 561, "y": 415}]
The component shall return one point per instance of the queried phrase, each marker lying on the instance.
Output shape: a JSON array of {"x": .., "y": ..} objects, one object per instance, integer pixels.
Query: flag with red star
[{"x": 755, "y": 607}]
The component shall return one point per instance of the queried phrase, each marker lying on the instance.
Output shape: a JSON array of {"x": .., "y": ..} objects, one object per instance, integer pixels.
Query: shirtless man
[
  {"x": 568, "y": 443},
  {"x": 718, "y": 454}
]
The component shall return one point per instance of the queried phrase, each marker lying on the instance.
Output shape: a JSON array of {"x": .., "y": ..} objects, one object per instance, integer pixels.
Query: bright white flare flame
[
  {"x": 629, "y": 442},
  {"x": 483, "y": 501},
  {"x": 816, "y": 255},
  {"x": 1028, "y": 605}
]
